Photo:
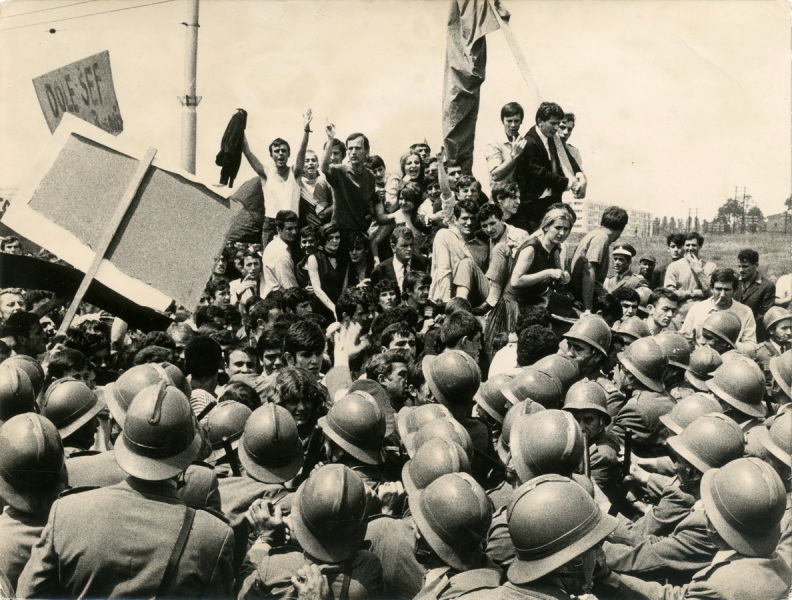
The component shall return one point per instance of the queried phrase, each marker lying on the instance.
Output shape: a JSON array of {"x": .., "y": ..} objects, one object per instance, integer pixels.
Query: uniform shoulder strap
[{"x": 176, "y": 554}]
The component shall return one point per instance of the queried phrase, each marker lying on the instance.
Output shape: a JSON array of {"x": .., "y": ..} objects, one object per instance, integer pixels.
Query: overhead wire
[
  {"x": 84, "y": 16},
  {"x": 32, "y": 12}
]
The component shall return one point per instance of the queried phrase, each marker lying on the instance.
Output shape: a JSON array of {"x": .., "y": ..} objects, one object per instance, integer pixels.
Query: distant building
[
  {"x": 780, "y": 223},
  {"x": 589, "y": 215}
]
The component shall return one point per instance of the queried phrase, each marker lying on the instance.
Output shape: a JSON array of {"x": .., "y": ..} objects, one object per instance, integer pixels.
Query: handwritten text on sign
[{"x": 83, "y": 88}]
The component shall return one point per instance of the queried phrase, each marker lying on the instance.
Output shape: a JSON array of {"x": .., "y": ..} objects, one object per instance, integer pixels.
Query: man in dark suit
[
  {"x": 403, "y": 260},
  {"x": 545, "y": 169},
  {"x": 754, "y": 290}
]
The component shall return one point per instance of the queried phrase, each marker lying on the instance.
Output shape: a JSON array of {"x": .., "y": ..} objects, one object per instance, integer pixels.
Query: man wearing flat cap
[{"x": 622, "y": 268}]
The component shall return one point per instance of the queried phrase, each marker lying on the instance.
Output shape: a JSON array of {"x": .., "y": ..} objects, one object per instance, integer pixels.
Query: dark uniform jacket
[
  {"x": 237, "y": 494},
  {"x": 672, "y": 559},
  {"x": 116, "y": 542},
  {"x": 19, "y": 532},
  {"x": 731, "y": 576},
  {"x": 641, "y": 415},
  {"x": 198, "y": 488}
]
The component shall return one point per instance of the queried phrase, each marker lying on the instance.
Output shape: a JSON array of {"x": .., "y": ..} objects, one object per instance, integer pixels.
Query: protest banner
[
  {"x": 161, "y": 247},
  {"x": 84, "y": 89}
]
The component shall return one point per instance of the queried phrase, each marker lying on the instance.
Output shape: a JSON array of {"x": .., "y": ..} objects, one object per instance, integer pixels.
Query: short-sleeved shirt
[
  {"x": 496, "y": 154},
  {"x": 593, "y": 248},
  {"x": 355, "y": 196},
  {"x": 699, "y": 312}
]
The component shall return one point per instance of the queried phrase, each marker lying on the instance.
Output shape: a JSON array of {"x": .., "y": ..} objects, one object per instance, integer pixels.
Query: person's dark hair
[
  {"x": 626, "y": 294},
  {"x": 412, "y": 192},
  {"x": 270, "y": 339},
  {"x": 158, "y": 338},
  {"x": 337, "y": 145},
  {"x": 309, "y": 231},
  {"x": 400, "y": 329},
  {"x": 398, "y": 314},
  {"x": 384, "y": 285},
  {"x": 748, "y": 255},
  {"x": 415, "y": 376},
  {"x": 452, "y": 164},
  {"x": 511, "y": 109},
  {"x": 382, "y": 363},
  {"x": 569, "y": 117},
  {"x": 279, "y": 142},
  {"x": 532, "y": 315},
  {"x": 261, "y": 309},
  {"x": 241, "y": 392},
  {"x": 73, "y": 338},
  {"x": 33, "y": 297},
  {"x": 223, "y": 337},
  {"x": 678, "y": 239},
  {"x": 203, "y": 357},
  {"x": 232, "y": 316},
  {"x": 504, "y": 189},
  {"x": 401, "y": 232},
  {"x": 215, "y": 285},
  {"x": 695, "y": 235},
  {"x": 67, "y": 359},
  {"x": 490, "y": 210},
  {"x": 467, "y": 181},
  {"x": 239, "y": 347},
  {"x": 19, "y": 324},
  {"x": 349, "y": 300},
  {"x": 535, "y": 342},
  {"x": 303, "y": 336},
  {"x": 153, "y": 354},
  {"x": 375, "y": 162},
  {"x": 296, "y": 296},
  {"x": 549, "y": 110},
  {"x": 468, "y": 206},
  {"x": 293, "y": 384},
  {"x": 614, "y": 218},
  {"x": 457, "y": 325},
  {"x": 723, "y": 275},
  {"x": 205, "y": 316},
  {"x": 609, "y": 308},
  {"x": 414, "y": 278},
  {"x": 9, "y": 240},
  {"x": 359, "y": 240},
  {"x": 354, "y": 136},
  {"x": 457, "y": 305},
  {"x": 662, "y": 292},
  {"x": 283, "y": 217},
  {"x": 325, "y": 231},
  {"x": 430, "y": 179}
]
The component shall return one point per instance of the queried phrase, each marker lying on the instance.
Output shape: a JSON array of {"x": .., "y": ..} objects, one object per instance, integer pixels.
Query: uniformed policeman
[
  {"x": 557, "y": 529},
  {"x": 16, "y": 392},
  {"x": 270, "y": 456},
  {"x": 744, "y": 502},
  {"x": 675, "y": 551},
  {"x": 587, "y": 343},
  {"x": 452, "y": 516},
  {"x": 781, "y": 370},
  {"x": 587, "y": 402},
  {"x": 223, "y": 427},
  {"x": 328, "y": 527},
  {"x": 537, "y": 385},
  {"x": 32, "y": 474},
  {"x": 137, "y": 538},
  {"x": 197, "y": 486},
  {"x": 703, "y": 362},
  {"x": 72, "y": 407},
  {"x": 561, "y": 367},
  {"x": 778, "y": 324},
  {"x": 639, "y": 374},
  {"x": 677, "y": 350},
  {"x": 622, "y": 266},
  {"x": 32, "y": 369},
  {"x": 720, "y": 331},
  {"x": 739, "y": 386},
  {"x": 492, "y": 403}
]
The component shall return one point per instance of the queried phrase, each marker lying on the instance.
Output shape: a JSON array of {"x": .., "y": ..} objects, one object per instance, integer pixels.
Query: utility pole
[
  {"x": 189, "y": 100},
  {"x": 744, "y": 211}
]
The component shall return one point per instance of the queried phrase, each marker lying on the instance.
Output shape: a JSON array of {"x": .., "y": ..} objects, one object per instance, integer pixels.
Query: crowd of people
[{"x": 399, "y": 387}]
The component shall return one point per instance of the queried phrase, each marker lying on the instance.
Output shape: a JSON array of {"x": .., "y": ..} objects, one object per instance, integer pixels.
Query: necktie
[{"x": 553, "y": 155}]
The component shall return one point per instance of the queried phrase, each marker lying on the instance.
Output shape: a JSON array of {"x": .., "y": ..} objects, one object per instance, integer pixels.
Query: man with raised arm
[{"x": 279, "y": 181}]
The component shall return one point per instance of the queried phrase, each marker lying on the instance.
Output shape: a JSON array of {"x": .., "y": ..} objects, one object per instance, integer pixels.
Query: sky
[{"x": 677, "y": 102}]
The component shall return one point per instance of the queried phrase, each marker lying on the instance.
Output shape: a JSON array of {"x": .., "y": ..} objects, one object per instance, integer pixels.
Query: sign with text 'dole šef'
[{"x": 83, "y": 88}]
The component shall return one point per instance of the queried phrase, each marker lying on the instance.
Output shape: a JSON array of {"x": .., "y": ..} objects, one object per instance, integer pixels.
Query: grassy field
[{"x": 775, "y": 250}]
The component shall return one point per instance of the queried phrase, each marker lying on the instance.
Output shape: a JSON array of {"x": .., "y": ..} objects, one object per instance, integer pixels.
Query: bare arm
[
  {"x": 316, "y": 283},
  {"x": 521, "y": 279},
  {"x": 589, "y": 277},
  {"x": 330, "y": 129},
  {"x": 498, "y": 172},
  {"x": 299, "y": 162},
  {"x": 255, "y": 163}
]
